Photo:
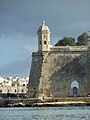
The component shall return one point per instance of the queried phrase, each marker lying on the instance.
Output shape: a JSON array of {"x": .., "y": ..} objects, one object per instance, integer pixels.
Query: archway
[
  {"x": 74, "y": 91},
  {"x": 74, "y": 84}
]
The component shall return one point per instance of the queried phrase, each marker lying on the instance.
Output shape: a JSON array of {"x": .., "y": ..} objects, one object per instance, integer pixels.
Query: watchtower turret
[{"x": 43, "y": 38}]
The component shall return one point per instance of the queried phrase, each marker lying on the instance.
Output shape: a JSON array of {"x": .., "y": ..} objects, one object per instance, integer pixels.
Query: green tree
[
  {"x": 66, "y": 41},
  {"x": 83, "y": 39}
]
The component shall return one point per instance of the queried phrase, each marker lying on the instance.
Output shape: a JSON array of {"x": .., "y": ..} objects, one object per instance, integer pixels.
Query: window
[
  {"x": 8, "y": 91},
  {"x": 45, "y": 42},
  {"x": 0, "y": 91},
  {"x": 23, "y": 84},
  {"x": 15, "y": 90},
  {"x": 44, "y": 36},
  {"x": 22, "y": 90},
  {"x": 34, "y": 88}
]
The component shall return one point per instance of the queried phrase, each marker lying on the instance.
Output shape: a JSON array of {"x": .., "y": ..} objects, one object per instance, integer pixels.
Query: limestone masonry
[{"x": 58, "y": 71}]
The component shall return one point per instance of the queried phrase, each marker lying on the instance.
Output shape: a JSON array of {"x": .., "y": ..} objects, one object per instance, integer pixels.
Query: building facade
[
  {"x": 13, "y": 85},
  {"x": 58, "y": 71}
]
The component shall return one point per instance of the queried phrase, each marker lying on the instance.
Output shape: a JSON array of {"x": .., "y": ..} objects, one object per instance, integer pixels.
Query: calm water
[{"x": 45, "y": 113}]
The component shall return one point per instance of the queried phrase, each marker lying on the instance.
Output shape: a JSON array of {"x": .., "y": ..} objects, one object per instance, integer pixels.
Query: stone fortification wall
[
  {"x": 69, "y": 48},
  {"x": 88, "y": 72},
  {"x": 53, "y": 72},
  {"x": 61, "y": 67},
  {"x": 35, "y": 74}
]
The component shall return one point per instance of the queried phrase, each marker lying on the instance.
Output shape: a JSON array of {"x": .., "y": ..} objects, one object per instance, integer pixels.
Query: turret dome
[{"x": 43, "y": 27}]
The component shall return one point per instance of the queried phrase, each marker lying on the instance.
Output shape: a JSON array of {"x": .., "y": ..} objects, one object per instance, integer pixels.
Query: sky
[{"x": 20, "y": 20}]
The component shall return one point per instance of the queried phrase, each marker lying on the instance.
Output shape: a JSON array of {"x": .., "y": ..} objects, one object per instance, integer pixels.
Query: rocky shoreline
[{"x": 55, "y": 102}]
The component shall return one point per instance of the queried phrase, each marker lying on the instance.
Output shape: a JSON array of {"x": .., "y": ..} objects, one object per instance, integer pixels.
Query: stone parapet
[{"x": 69, "y": 48}]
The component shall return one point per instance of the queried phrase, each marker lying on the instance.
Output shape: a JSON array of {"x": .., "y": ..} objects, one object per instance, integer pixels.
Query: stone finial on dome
[
  {"x": 43, "y": 27},
  {"x": 43, "y": 22}
]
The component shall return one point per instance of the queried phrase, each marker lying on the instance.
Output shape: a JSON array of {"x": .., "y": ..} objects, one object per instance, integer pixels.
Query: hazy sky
[{"x": 19, "y": 22}]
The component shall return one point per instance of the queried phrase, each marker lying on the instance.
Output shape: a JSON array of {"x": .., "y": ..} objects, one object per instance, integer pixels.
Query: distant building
[
  {"x": 58, "y": 71},
  {"x": 13, "y": 85}
]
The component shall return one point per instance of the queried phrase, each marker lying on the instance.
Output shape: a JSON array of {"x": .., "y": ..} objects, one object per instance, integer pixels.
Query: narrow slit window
[
  {"x": 45, "y": 42},
  {"x": 44, "y": 36}
]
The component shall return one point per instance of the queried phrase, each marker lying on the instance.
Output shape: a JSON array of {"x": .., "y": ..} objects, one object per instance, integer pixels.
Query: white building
[{"x": 15, "y": 85}]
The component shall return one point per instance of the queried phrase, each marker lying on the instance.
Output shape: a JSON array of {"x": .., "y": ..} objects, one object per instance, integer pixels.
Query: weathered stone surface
[
  {"x": 60, "y": 71},
  {"x": 53, "y": 72}
]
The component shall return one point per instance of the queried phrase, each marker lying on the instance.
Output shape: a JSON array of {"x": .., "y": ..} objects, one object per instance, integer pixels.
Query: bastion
[{"x": 58, "y": 71}]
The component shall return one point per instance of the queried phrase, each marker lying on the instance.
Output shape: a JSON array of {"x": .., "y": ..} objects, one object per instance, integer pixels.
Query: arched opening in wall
[{"x": 74, "y": 90}]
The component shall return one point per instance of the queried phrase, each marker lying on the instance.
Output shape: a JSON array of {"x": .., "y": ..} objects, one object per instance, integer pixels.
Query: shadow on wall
[{"x": 73, "y": 69}]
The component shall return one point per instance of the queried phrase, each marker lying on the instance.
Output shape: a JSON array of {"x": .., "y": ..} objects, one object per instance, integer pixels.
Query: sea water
[{"x": 45, "y": 113}]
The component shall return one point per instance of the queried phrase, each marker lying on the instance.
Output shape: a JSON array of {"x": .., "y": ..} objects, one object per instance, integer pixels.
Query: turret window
[
  {"x": 44, "y": 36},
  {"x": 45, "y": 42}
]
